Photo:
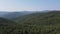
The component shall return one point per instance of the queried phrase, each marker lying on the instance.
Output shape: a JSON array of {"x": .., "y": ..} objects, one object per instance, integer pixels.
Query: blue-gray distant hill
[{"x": 11, "y": 15}]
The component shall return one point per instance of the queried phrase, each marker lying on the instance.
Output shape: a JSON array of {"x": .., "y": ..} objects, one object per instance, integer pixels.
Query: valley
[{"x": 33, "y": 23}]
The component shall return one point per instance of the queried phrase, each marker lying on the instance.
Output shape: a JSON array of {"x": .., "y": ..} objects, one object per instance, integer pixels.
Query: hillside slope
[
  {"x": 6, "y": 26},
  {"x": 41, "y": 23},
  {"x": 36, "y": 23}
]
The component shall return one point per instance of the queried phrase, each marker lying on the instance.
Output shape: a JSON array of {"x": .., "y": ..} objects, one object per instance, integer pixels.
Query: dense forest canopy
[{"x": 36, "y": 23}]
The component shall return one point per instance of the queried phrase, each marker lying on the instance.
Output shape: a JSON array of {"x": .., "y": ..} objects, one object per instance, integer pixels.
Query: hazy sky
[{"x": 29, "y": 5}]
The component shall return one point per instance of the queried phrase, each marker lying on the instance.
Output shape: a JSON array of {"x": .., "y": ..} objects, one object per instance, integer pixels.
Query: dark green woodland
[{"x": 36, "y": 23}]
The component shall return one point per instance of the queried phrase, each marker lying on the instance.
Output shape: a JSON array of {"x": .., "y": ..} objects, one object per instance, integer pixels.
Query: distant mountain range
[{"x": 10, "y": 15}]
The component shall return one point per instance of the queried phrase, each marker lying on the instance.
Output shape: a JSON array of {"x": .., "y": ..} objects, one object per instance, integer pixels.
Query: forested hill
[
  {"x": 36, "y": 23},
  {"x": 39, "y": 17},
  {"x": 41, "y": 23},
  {"x": 7, "y": 26}
]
